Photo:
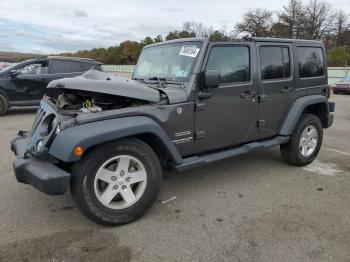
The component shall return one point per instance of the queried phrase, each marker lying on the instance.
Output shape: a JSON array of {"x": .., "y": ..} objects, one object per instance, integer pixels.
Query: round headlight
[{"x": 39, "y": 145}]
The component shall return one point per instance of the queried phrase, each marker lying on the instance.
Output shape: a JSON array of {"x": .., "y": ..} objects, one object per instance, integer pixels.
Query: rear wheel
[
  {"x": 305, "y": 141},
  {"x": 4, "y": 105},
  {"x": 116, "y": 183}
]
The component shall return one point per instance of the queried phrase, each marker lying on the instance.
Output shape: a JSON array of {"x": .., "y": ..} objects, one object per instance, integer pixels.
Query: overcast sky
[{"x": 44, "y": 26}]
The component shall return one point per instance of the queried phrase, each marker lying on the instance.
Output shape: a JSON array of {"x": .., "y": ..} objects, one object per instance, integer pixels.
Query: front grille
[{"x": 38, "y": 118}]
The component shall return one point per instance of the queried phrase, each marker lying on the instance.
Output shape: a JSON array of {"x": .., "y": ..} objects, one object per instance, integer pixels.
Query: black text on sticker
[{"x": 191, "y": 51}]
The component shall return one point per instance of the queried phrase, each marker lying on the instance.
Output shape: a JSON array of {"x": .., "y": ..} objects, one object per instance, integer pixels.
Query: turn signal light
[{"x": 78, "y": 151}]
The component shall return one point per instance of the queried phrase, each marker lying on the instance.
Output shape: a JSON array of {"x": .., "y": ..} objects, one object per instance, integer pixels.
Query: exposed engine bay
[
  {"x": 93, "y": 102},
  {"x": 96, "y": 91}
]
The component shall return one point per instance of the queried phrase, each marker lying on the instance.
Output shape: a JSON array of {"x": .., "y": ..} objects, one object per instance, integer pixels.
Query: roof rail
[
  {"x": 71, "y": 57},
  {"x": 271, "y": 39}
]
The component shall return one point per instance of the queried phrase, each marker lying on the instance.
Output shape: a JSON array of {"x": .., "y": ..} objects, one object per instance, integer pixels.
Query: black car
[
  {"x": 24, "y": 84},
  {"x": 191, "y": 102}
]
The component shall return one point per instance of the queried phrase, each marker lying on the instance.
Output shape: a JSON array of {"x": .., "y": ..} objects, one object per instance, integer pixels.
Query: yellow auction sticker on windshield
[{"x": 191, "y": 51}]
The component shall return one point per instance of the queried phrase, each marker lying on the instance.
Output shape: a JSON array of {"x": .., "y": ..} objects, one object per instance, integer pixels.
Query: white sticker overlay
[{"x": 191, "y": 51}]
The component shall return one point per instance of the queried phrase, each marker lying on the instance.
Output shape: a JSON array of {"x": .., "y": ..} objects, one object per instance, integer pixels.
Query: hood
[{"x": 101, "y": 82}]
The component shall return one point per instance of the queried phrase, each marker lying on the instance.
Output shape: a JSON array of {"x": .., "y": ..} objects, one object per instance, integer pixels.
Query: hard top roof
[{"x": 251, "y": 39}]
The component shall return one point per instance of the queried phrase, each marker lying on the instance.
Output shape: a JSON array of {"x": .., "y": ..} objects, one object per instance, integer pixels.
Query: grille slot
[{"x": 38, "y": 118}]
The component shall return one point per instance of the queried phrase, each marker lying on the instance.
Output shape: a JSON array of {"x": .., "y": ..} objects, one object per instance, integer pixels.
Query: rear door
[
  {"x": 60, "y": 68},
  {"x": 277, "y": 86}
]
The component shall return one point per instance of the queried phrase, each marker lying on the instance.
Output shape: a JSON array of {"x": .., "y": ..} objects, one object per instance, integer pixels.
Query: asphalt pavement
[{"x": 252, "y": 208}]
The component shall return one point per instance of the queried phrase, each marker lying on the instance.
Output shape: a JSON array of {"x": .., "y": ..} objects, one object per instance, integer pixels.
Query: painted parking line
[
  {"x": 321, "y": 168},
  {"x": 338, "y": 151}
]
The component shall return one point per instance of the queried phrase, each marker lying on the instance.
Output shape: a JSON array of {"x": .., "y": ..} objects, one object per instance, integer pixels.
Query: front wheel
[
  {"x": 4, "y": 105},
  {"x": 116, "y": 183},
  {"x": 305, "y": 141}
]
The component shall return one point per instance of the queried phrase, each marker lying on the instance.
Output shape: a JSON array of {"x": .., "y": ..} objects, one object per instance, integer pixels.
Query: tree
[
  {"x": 256, "y": 22},
  {"x": 339, "y": 56},
  {"x": 158, "y": 39},
  {"x": 199, "y": 29},
  {"x": 147, "y": 41},
  {"x": 291, "y": 20},
  {"x": 219, "y": 36},
  {"x": 341, "y": 26},
  {"x": 319, "y": 19},
  {"x": 179, "y": 34}
]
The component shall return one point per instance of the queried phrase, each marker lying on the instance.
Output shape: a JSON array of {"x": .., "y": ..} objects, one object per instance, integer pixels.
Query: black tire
[
  {"x": 335, "y": 92},
  {"x": 4, "y": 105},
  {"x": 291, "y": 150},
  {"x": 84, "y": 172}
]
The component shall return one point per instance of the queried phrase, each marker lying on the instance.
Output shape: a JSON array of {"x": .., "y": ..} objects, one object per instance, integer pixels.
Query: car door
[
  {"x": 31, "y": 80},
  {"x": 227, "y": 116},
  {"x": 277, "y": 86},
  {"x": 60, "y": 68}
]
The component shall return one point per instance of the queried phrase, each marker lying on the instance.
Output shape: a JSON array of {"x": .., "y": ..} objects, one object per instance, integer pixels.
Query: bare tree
[
  {"x": 320, "y": 19},
  {"x": 256, "y": 22},
  {"x": 199, "y": 29},
  {"x": 341, "y": 25},
  {"x": 291, "y": 20}
]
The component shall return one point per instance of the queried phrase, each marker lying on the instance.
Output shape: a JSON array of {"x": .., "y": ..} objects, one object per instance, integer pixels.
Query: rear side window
[
  {"x": 88, "y": 66},
  {"x": 59, "y": 66},
  {"x": 274, "y": 62},
  {"x": 232, "y": 62},
  {"x": 311, "y": 62}
]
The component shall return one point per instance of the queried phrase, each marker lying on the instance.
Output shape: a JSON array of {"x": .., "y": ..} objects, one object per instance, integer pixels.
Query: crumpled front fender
[{"x": 95, "y": 133}]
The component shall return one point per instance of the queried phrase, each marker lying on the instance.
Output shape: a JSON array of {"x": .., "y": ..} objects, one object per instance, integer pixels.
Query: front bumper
[{"x": 41, "y": 174}]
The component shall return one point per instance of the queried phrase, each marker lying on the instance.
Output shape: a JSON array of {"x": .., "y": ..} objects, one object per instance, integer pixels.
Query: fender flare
[
  {"x": 95, "y": 133},
  {"x": 298, "y": 108}
]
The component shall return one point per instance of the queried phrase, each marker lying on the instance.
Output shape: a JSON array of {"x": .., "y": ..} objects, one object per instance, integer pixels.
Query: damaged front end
[
  {"x": 67, "y": 101},
  {"x": 96, "y": 91},
  {"x": 90, "y": 93}
]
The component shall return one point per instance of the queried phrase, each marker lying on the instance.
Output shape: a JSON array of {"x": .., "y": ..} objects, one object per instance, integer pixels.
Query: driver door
[
  {"x": 32, "y": 80},
  {"x": 227, "y": 115}
]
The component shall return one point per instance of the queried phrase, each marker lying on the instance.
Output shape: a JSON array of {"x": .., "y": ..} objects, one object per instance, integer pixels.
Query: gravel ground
[{"x": 252, "y": 208}]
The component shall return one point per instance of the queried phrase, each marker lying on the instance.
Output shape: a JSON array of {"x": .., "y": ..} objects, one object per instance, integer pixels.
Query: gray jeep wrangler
[{"x": 190, "y": 102}]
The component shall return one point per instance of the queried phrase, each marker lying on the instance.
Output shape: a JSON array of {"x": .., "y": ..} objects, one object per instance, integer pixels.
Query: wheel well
[
  {"x": 151, "y": 140},
  {"x": 157, "y": 146},
  {"x": 320, "y": 110},
  {"x": 3, "y": 93}
]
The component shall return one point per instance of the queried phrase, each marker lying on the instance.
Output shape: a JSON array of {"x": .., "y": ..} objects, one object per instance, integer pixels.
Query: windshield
[{"x": 172, "y": 62}]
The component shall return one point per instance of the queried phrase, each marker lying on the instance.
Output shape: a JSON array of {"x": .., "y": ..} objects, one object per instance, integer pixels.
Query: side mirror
[
  {"x": 212, "y": 78},
  {"x": 14, "y": 73}
]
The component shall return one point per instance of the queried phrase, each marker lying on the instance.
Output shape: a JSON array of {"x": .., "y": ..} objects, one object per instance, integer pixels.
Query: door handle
[
  {"x": 287, "y": 89},
  {"x": 248, "y": 94}
]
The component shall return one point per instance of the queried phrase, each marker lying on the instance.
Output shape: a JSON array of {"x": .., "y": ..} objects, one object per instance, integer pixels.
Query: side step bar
[{"x": 197, "y": 161}]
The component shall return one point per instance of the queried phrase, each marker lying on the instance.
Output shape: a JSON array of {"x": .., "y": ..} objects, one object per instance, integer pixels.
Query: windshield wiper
[
  {"x": 163, "y": 81},
  {"x": 156, "y": 78}
]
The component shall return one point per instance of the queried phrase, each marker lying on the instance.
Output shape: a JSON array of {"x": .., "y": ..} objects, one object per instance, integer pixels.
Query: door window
[
  {"x": 232, "y": 62},
  {"x": 37, "y": 68},
  {"x": 274, "y": 62},
  {"x": 311, "y": 63},
  {"x": 88, "y": 66},
  {"x": 59, "y": 67}
]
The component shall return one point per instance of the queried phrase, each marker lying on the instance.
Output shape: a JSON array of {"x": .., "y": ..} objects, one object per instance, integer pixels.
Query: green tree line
[{"x": 316, "y": 20}]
